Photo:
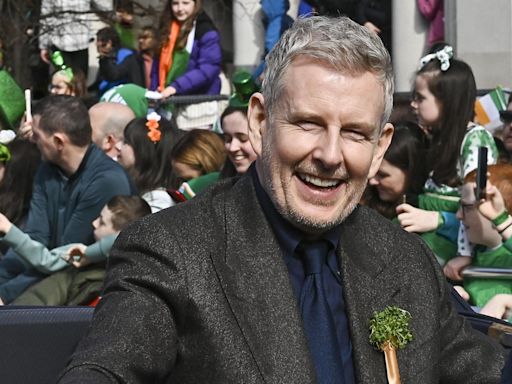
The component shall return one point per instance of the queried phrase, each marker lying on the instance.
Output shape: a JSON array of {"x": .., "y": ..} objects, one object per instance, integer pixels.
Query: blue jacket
[
  {"x": 61, "y": 212},
  {"x": 121, "y": 55},
  {"x": 202, "y": 74}
]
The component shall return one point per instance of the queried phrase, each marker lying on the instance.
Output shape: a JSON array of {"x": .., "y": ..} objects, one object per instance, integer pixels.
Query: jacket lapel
[
  {"x": 255, "y": 280},
  {"x": 367, "y": 288}
]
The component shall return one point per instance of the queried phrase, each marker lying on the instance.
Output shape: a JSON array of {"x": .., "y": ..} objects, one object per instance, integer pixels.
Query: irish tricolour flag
[{"x": 488, "y": 107}]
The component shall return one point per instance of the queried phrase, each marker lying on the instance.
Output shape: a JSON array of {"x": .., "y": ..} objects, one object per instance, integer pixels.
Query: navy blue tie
[{"x": 317, "y": 316}]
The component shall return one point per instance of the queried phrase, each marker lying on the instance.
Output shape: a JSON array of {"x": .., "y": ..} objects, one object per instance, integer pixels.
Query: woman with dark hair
[
  {"x": 238, "y": 148},
  {"x": 400, "y": 179},
  {"x": 190, "y": 56},
  {"x": 17, "y": 172},
  {"x": 145, "y": 153},
  {"x": 402, "y": 173},
  {"x": 444, "y": 99},
  {"x": 18, "y": 176}
]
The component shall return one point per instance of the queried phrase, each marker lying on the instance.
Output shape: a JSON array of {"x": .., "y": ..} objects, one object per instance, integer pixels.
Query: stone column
[
  {"x": 484, "y": 40},
  {"x": 409, "y": 41},
  {"x": 247, "y": 33}
]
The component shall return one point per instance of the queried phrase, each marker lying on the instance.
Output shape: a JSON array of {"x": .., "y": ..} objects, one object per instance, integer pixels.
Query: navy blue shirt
[{"x": 289, "y": 238}]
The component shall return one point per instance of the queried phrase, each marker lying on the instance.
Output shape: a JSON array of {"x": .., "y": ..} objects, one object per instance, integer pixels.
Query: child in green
[
  {"x": 488, "y": 224},
  {"x": 443, "y": 99}
]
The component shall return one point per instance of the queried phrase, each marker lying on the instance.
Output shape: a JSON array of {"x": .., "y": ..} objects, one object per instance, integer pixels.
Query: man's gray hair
[{"x": 339, "y": 42}]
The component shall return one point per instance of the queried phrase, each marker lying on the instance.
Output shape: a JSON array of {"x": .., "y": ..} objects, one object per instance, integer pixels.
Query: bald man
[{"x": 108, "y": 121}]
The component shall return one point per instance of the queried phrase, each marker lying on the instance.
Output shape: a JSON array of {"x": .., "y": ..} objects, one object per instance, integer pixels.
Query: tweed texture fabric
[{"x": 199, "y": 293}]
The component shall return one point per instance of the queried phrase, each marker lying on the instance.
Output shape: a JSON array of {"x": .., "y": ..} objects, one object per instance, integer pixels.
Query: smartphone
[
  {"x": 69, "y": 261},
  {"x": 177, "y": 195},
  {"x": 481, "y": 173}
]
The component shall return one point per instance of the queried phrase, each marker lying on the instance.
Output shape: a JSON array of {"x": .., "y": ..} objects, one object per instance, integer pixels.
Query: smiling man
[{"x": 273, "y": 277}]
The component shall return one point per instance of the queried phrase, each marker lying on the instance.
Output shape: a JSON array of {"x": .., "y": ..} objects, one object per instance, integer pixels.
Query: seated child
[
  {"x": 56, "y": 289},
  {"x": 489, "y": 226}
]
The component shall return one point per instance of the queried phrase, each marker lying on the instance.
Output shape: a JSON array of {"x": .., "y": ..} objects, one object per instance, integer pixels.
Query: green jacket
[{"x": 482, "y": 290}]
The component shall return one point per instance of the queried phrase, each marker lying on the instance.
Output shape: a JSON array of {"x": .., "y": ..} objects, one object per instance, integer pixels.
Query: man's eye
[
  {"x": 353, "y": 135},
  {"x": 308, "y": 125}
]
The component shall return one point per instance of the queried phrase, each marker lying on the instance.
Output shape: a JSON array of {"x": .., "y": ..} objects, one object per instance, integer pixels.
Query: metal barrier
[{"x": 192, "y": 111}]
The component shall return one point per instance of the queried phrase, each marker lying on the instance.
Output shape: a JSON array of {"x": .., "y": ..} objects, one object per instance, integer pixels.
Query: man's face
[
  {"x": 322, "y": 144},
  {"x": 44, "y": 142}
]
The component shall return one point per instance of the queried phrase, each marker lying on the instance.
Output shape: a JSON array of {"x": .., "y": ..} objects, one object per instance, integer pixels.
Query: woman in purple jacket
[{"x": 190, "y": 56}]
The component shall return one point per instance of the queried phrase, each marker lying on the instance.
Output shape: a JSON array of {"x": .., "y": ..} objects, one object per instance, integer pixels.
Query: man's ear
[
  {"x": 59, "y": 140},
  {"x": 257, "y": 121},
  {"x": 108, "y": 143},
  {"x": 382, "y": 145}
]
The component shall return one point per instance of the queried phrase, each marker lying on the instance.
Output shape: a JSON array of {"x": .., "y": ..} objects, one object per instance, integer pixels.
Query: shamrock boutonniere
[{"x": 389, "y": 330}]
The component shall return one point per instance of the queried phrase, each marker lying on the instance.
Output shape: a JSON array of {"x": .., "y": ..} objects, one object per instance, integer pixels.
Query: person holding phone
[{"x": 489, "y": 226}]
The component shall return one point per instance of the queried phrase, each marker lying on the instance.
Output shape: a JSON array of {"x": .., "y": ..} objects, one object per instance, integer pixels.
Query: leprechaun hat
[{"x": 12, "y": 100}]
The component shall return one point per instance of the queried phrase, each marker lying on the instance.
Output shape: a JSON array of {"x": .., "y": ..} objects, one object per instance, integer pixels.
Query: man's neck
[{"x": 72, "y": 158}]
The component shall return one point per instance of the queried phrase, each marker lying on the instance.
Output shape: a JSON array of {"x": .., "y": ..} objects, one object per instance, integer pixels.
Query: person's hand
[
  {"x": 168, "y": 91},
  {"x": 454, "y": 267},
  {"x": 45, "y": 55},
  {"x": 76, "y": 256},
  {"x": 500, "y": 306},
  {"x": 493, "y": 204},
  {"x": 462, "y": 292},
  {"x": 372, "y": 27},
  {"x": 5, "y": 224},
  {"x": 417, "y": 220},
  {"x": 25, "y": 130},
  {"x": 124, "y": 17}
]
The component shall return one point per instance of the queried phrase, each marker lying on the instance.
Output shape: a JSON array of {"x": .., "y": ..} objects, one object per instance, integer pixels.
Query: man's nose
[{"x": 329, "y": 149}]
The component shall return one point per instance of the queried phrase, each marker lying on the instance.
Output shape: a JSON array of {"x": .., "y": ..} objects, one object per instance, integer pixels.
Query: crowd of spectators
[{"x": 79, "y": 170}]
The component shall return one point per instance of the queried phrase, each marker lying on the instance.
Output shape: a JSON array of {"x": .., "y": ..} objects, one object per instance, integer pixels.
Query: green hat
[
  {"x": 12, "y": 100},
  {"x": 131, "y": 95},
  {"x": 244, "y": 87},
  {"x": 58, "y": 61}
]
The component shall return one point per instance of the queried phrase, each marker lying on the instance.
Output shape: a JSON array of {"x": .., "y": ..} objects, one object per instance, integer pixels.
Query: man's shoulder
[
  {"x": 99, "y": 162},
  {"x": 208, "y": 207},
  {"x": 369, "y": 226},
  {"x": 102, "y": 171}
]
